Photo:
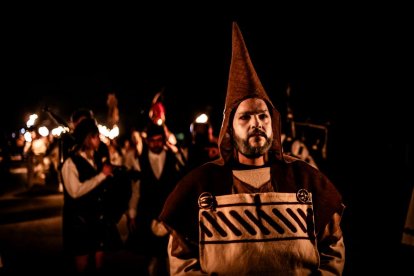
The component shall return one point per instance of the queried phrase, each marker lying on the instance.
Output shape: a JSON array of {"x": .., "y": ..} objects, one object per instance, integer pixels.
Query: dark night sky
[{"x": 339, "y": 64}]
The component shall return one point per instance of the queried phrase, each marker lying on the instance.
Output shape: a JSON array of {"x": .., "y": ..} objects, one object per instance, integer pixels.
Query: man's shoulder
[
  {"x": 294, "y": 161},
  {"x": 208, "y": 168},
  {"x": 297, "y": 160},
  {"x": 205, "y": 173}
]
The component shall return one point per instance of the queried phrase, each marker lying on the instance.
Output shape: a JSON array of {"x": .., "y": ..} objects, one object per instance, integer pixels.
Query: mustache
[{"x": 257, "y": 132}]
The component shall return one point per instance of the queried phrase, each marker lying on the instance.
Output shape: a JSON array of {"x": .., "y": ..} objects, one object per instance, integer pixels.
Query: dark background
[
  {"x": 343, "y": 65},
  {"x": 349, "y": 68}
]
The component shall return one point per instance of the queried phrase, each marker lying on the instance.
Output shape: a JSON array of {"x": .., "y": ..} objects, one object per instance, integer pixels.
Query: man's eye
[{"x": 263, "y": 116}]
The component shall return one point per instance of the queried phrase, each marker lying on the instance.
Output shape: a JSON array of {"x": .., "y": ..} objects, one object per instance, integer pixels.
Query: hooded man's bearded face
[{"x": 252, "y": 128}]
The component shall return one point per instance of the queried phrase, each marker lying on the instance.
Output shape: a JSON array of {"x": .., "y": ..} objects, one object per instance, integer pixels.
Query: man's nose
[{"x": 257, "y": 123}]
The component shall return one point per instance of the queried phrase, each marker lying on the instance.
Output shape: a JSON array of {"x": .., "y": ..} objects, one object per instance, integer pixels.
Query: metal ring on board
[
  {"x": 303, "y": 196},
  {"x": 206, "y": 200}
]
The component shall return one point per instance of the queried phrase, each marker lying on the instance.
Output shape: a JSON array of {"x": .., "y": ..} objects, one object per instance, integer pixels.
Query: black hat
[
  {"x": 154, "y": 129},
  {"x": 84, "y": 128}
]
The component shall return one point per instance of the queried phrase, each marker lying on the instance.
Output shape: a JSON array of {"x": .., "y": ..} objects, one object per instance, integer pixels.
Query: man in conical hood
[{"x": 254, "y": 211}]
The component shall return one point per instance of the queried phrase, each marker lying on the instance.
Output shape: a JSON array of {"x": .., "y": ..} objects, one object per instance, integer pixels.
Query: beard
[
  {"x": 249, "y": 150},
  {"x": 156, "y": 150}
]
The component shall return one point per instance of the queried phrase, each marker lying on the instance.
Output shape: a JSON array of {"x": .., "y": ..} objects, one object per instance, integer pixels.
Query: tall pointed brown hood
[{"x": 244, "y": 83}]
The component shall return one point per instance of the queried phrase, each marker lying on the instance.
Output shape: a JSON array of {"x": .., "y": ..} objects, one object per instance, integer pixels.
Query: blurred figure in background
[
  {"x": 35, "y": 152},
  {"x": 203, "y": 146},
  {"x": 160, "y": 169},
  {"x": 113, "y": 111},
  {"x": 88, "y": 231}
]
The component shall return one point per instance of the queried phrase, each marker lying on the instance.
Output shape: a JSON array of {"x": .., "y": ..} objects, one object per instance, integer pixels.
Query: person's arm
[
  {"x": 133, "y": 203},
  {"x": 332, "y": 248},
  {"x": 183, "y": 257},
  {"x": 131, "y": 161},
  {"x": 132, "y": 164},
  {"x": 73, "y": 186}
]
